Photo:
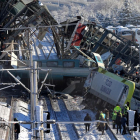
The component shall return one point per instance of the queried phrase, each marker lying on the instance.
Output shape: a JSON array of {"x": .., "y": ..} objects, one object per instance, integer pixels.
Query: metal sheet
[
  {"x": 107, "y": 86},
  {"x": 27, "y": 1},
  {"x": 14, "y": 60}
]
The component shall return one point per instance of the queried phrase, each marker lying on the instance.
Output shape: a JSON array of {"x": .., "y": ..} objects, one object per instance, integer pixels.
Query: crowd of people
[{"x": 119, "y": 119}]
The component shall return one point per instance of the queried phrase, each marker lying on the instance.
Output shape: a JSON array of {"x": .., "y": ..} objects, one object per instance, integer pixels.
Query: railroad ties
[{"x": 71, "y": 110}]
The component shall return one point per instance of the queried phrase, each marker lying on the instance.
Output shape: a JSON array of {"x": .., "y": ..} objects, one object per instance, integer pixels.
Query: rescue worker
[
  {"x": 125, "y": 109},
  {"x": 102, "y": 125},
  {"x": 123, "y": 122},
  {"x": 106, "y": 118},
  {"x": 120, "y": 113},
  {"x": 118, "y": 122},
  {"x": 104, "y": 115},
  {"x": 128, "y": 105},
  {"x": 117, "y": 108},
  {"x": 87, "y": 125},
  {"x": 100, "y": 116},
  {"x": 114, "y": 115}
]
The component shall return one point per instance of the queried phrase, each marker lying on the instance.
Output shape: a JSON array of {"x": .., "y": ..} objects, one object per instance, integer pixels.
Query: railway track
[
  {"x": 55, "y": 131},
  {"x": 78, "y": 115},
  {"x": 67, "y": 130},
  {"x": 68, "y": 110}
]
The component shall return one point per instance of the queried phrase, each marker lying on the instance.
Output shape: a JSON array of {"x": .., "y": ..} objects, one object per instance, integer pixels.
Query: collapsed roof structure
[
  {"x": 18, "y": 17},
  {"x": 75, "y": 36}
]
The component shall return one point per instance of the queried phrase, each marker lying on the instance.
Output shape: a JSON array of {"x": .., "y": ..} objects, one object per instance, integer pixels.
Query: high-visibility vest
[
  {"x": 125, "y": 109},
  {"x": 117, "y": 109},
  {"x": 101, "y": 116},
  {"x": 114, "y": 116}
]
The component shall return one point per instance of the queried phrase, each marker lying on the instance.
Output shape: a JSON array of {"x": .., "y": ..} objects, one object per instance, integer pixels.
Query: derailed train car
[{"x": 111, "y": 89}]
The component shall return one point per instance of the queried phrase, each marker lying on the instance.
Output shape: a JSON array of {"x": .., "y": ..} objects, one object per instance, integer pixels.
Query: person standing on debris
[
  {"x": 106, "y": 118},
  {"x": 114, "y": 115},
  {"x": 123, "y": 122},
  {"x": 16, "y": 128},
  {"x": 118, "y": 122},
  {"x": 87, "y": 125}
]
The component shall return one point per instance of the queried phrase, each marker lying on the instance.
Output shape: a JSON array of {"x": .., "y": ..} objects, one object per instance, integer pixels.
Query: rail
[{"x": 54, "y": 115}]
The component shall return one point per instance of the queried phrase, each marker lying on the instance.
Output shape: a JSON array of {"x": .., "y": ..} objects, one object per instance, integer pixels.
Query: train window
[
  {"x": 39, "y": 63},
  {"x": 52, "y": 64},
  {"x": 98, "y": 58},
  {"x": 68, "y": 64}
]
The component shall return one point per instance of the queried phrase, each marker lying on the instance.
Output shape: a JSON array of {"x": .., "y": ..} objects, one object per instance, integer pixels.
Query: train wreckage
[{"x": 70, "y": 48}]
